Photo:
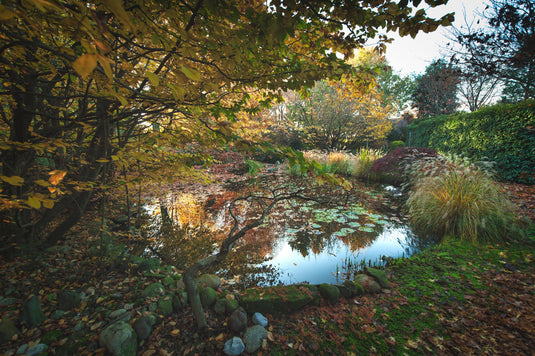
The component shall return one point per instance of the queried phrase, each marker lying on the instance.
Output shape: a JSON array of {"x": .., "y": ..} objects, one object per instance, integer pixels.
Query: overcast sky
[{"x": 411, "y": 56}]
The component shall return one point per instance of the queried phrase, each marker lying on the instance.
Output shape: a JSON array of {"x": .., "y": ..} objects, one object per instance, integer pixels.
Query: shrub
[
  {"x": 392, "y": 167},
  {"x": 364, "y": 160},
  {"x": 461, "y": 202},
  {"x": 396, "y": 144},
  {"x": 501, "y": 133}
]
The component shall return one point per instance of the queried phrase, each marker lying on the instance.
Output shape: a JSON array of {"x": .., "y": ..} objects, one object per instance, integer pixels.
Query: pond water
[{"x": 300, "y": 241}]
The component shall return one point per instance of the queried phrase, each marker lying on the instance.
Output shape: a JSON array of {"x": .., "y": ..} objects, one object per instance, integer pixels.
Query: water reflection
[{"x": 300, "y": 241}]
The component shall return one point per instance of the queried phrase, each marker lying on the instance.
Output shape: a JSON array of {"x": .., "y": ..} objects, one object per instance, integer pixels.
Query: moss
[{"x": 278, "y": 299}]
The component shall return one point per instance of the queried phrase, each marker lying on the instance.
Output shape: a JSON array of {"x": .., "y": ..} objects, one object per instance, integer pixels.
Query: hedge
[{"x": 502, "y": 133}]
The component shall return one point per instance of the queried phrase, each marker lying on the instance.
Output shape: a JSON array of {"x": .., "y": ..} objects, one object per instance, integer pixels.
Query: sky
[{"x": 410, "y": 56}]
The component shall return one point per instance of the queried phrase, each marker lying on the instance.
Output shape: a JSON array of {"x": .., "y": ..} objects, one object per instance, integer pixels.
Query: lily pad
[
  {"x": 353, "y": 224},
  {"x": 365, "y": 229}
]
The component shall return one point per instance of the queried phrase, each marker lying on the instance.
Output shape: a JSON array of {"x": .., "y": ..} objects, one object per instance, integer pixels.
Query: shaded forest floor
[{"x": 451, "y": 299}]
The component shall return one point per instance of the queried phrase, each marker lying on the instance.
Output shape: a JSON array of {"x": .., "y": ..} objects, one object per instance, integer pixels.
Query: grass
[
  {"x": 344, "y": 163},
  {"x": 463, "y": 202}
]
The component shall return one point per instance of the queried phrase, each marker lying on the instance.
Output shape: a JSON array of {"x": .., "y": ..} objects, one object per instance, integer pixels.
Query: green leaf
[
  {"x": 153, "y": 79},
  {"x": 191, "y": 73}
]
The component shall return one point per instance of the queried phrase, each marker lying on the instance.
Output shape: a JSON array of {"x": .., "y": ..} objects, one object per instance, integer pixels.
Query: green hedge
[{"x": 504, "y": 134}]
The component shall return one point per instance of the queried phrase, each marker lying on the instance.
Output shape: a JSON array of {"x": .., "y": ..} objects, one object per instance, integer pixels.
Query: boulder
[
  {"x": 253, "y": 338},
  {"x": 232, "y": 304},
  {"x": 7, "y": 330},
  {"x": 379, "y": 275},
  {"x": 329, "y": 292},
  {"x": 209, "y": 280},
  {"x": 237, "y": 321},
  {"x": 277, "y": 299},
  {"x": 208, "y": 296},
  {"x": 143, "y": 326},
  {"x": 259, "y": 319},
  {"x": 352, "y": 289},
  {"x": 153, "y": 290},
  {"x": 220, "y": 306},
  {"x": 165, "y": 304},
  {"x": 120, "y": 315},
  {"x": 119, "y": 339},
  {"x": 234, "y": 346},
  {"x": 368, "y": 283},
  {"x": 68, "y": 300},
  {"x": 32, "y": 313}
]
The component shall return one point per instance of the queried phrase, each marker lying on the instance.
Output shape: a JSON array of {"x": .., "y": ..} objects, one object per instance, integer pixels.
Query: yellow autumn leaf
[
  {"x": 56, "y": 176},
  {"x": 105, "y": 63},
  {"x": 116, "y": 6},
  {"x": 6, "y": 13},
  {"x": 175, "y": 332},
  {"x": 191, "y": 73},
  {"x": 85, "y": 64},
  {"x": 13, "y": 180},
  {"x": 52, "y": 189},
  {"x": 34, "y": 203},
  {"x": 102, "y": 160},
  {"x": 48, "y": 203},
  {"x": 153, "y": 79},
  {"x": 42, "y": 183}
]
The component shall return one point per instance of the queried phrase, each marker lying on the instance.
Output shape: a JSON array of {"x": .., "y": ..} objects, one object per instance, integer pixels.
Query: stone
[
  {"x": 220, "y": 306},
  {"x": 168, "y": 281},
  {"x": 379, "y": 275},
  {"x": 36, "y": 349},
  {"x": 237, "y": 321},
  {"x": 119, "y": 338},
  {"x": 368, "y": 283},
  {"x": 143, "y": 326},
  {"x": 32, "y": 313},
  {"x": 209, "y": 280},
  {"x": 120, "y": 315},
  {"x": 232, "y": 304},
  {"x": 7, "y": 330},
  {"x": 329, "y": 292},
  {"x": 352, "y": 288},
  {"x": 259, "y": 319},
  {"x": 278, "y": 299},
  {"x": 208, "y": 296},
  {"x": 153, "y": 290},
  {"x": 165, "y": 304},
  {"x": 6, "y": 301},
  {"x": 68, "y": 300},
  {"x": 253, "y": 338},
  {"x": 234, "y": 346}
]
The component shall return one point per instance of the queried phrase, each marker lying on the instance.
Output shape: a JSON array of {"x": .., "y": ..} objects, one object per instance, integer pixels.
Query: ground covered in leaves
[{"x": 451, "y": 299}]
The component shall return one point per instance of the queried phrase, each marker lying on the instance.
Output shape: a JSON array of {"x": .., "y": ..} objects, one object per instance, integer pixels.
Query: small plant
[
  {"x": 364, "y": 160},
  {"x": 253, "y": 167},
  {"x": 396, "y": 144},
  {"x": 461, "y": 202}
]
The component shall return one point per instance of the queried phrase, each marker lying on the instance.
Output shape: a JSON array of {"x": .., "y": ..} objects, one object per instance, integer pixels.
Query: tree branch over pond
[{"x": 266, "y": 203}]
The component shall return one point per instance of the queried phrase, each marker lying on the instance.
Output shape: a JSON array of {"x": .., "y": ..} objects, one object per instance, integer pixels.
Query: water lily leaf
[
  {"x": 353, "y": 224},
  {"x": 365, "y": 229}
]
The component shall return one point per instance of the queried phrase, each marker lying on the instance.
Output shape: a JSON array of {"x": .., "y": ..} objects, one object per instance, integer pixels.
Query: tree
[
  {"x": 435, "y": 92},
  {"x": 81, "y": 82},
  {"x": 505, "y": 49}
]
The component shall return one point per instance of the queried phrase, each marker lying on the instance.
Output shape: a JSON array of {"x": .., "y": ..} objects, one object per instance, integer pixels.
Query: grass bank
[{"x": 454, "y": 298}]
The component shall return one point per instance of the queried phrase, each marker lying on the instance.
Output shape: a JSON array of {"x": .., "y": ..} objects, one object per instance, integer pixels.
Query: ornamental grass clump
[{"x": 462, "y": 202}]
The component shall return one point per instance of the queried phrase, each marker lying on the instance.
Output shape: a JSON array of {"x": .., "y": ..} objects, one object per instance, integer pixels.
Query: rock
[
  {"x": 153, "y": 290},
  {"x": 234, "y": 346},
  {"x": 5, "y": 301},
  {"x": 7, "y": 330},
  {"x": 168, "y": 281},
  {"x": 232, "y": 304},
  {"x": 352, "y": 288},
  {"x": 209, "y": 280},
  {"x": 277, "y": 299},
  {"x": 33, "y": 314},
  {"x": 368, "y": 283},
  {"x": 220, "y": 306},
  {"x": 68, "y": 300},
  {"x": 379, "y": 275},
  {"x": 119, "y": 339},
  {"x": 120, "y": 315},
  {"x": 237, "y": 321},
  {"x": 35, "y": 350},
  {"x": 143, "y": 326},
  {"x": 329, "y": 292},
  {"x": 259, "y": 319},
  {"x": 57, "y": 314},
  {"x": 165, "y": 304},
  {"x": 253, "y": 338},
  {"x": 208, "y": 296}
]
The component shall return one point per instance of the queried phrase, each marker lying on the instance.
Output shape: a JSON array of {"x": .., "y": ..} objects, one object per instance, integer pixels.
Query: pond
[{"x": 301, "y": 241}]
